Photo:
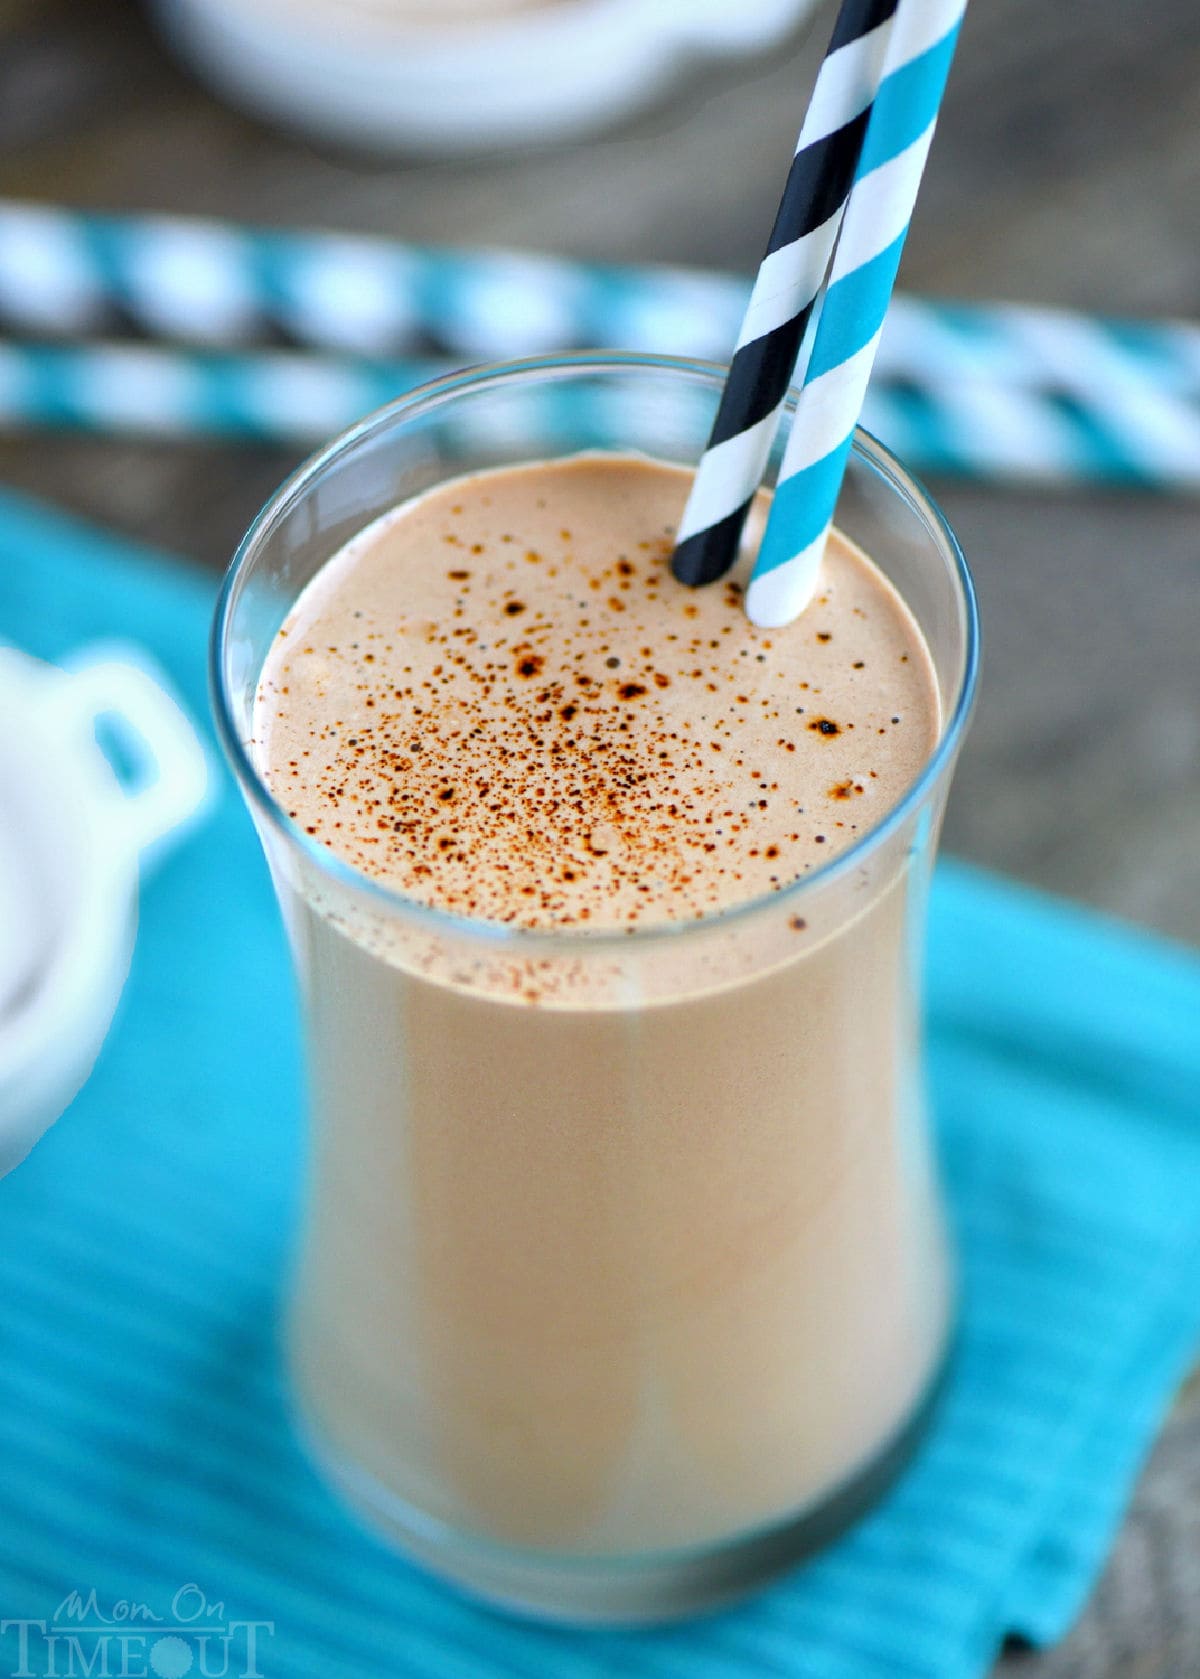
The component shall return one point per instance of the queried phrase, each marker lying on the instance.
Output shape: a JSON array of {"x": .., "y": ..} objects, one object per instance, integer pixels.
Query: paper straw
[
  {"x": 1100, "y": 358},
  {"x": 923, "y": 37},
  {"x": 278, "y": 397},
  {"x": 149, "y": 390},
  {"x": 789, "y": 277},
  {"x": 220, "y": 285},
  {"x": 993, "y": 433},
  {"x": 977, "y": 429}
]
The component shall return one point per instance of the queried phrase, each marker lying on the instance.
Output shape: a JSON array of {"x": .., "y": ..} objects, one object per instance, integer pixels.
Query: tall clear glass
[{"x": 624, "y": 1278}]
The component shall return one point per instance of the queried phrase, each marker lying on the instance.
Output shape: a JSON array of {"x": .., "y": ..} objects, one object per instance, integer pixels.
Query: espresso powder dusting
[{"x": 497, "y": 700}]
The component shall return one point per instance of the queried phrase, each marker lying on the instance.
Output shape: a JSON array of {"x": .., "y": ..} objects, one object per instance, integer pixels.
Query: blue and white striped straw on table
[
  {"x": 968, "y": 428},
  {"x": 859, "y": 288},
  {"x": 215, "y": 284},
  {"x": 1025, "y": 346},
  {"x": 153, "y": 390},
  {"x": 789, "y": 278}
]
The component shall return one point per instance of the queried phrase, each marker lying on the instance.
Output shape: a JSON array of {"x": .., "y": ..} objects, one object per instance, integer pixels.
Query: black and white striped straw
[{"x": 789, "y": 279}]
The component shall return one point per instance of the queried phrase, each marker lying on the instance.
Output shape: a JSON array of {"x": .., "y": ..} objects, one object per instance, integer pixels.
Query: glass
[{"x": 624, "y": 1278}]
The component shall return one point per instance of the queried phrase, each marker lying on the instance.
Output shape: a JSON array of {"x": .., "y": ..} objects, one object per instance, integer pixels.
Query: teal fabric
[{"x": 144, "y": 1446}]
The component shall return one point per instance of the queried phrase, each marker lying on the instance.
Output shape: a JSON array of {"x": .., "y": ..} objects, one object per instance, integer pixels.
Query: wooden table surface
[{"x": 1066, "y": 171}]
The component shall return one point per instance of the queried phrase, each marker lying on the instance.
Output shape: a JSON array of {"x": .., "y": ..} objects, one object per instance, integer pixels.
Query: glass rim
[{"x": 558, "y": 941}]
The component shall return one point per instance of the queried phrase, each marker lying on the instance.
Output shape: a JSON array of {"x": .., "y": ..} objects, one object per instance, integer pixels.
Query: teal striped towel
[{"x": 152, "y": 1498}]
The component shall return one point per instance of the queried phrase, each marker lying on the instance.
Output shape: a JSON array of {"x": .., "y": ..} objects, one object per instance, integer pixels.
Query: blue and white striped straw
[
  {"x": 153, "y": 390},
  {"x": 220, "y": 285},
  {"x": 1144, "y": 433},
  {"x": 1020, "y": 345},
  {"x": 1056, "y": 437},
  {"x": 923, "y": 37},
  {"x": 789, "y": 278}
]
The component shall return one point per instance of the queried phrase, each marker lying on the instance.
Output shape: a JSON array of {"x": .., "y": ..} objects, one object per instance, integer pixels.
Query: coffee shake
[{"x": 619, "y": 1242}]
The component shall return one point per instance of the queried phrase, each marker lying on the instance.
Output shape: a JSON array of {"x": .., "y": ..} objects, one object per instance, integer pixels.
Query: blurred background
[{"x": 1064, "y": 175}]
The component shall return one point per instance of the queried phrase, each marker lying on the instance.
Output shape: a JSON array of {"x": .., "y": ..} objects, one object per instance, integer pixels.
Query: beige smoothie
[{"x": 623, "y": 1235}]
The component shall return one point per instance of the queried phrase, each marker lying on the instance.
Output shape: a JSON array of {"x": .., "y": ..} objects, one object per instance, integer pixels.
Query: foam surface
[{"x": 497, "y": 700}]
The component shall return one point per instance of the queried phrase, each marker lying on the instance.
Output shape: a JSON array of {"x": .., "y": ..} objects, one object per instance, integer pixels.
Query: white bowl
[
  {"x": 380, "y": 73},
  {"x": 72, "y": 836}
]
